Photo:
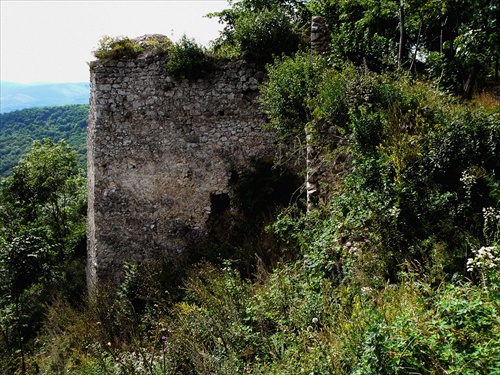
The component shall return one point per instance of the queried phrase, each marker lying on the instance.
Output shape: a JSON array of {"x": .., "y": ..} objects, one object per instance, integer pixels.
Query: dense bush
[
  {"x": 286, "y": 97},
  {"x": 262, "y": 35},
  {"x": 290, "y": 322},
  {"x": 414, "y": 152},
  {"x": 260, "y": 30},
  {"x": 187, "y": 58},
  {"x": 454, "y": 43}
]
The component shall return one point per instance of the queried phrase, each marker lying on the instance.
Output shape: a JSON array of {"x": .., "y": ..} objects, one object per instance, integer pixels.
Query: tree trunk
[
  {"x": 471, "y": 80},
  {"x": 402, "y": 35},
  {"x": 496, "y": 68},
  {"x": 19, "y": 333},
  {"x": 414, "y": 59}
]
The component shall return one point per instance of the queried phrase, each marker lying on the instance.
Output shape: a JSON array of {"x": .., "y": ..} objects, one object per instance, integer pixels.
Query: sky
[{"x": 52, "y": 41}]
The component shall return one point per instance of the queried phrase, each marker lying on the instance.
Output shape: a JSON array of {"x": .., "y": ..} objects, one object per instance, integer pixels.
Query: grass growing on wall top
[{"x": 116, "y": 47}]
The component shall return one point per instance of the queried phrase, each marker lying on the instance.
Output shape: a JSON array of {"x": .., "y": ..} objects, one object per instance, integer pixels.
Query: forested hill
[{"x": 18, "y": 129}]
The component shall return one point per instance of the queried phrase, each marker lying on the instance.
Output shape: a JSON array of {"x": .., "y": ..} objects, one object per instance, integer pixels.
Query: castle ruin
[{"x": 161, "y": 153}]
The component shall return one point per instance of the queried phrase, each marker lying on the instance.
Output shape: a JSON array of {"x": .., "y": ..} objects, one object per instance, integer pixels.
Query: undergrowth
[{"x": 283, "y": 322}]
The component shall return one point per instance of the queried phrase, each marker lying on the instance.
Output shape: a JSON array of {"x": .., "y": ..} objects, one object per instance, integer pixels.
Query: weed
[{"x": 116, "y": 47}]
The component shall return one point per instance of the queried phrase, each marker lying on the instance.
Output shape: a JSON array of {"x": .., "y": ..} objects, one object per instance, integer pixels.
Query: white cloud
[{"x": 51, "y": 41}]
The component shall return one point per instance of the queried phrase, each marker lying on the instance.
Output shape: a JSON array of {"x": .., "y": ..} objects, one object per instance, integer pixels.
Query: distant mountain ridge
[{"x": 15, "y": 96}]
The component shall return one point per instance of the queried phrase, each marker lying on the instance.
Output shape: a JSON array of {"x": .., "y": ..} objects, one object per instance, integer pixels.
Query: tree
[
  {"x": 363, "y": 31},
  {"x": 47, "y": 189},
  {"x": 477, "y": 42},
  {"x": 257, "y": 30},
  {"x": 42, "y": 223},
  {"x": 19, "y": 128},
  {"x": 455, "y": 42}
]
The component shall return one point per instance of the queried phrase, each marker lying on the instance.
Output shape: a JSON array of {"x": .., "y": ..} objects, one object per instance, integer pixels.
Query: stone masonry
[
  {"x": 161, "y": 153},
  {"x": 320, "y": 40}
]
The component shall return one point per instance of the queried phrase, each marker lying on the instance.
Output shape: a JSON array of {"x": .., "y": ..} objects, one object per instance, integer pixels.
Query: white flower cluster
[
  {"x": 486, "y": 258},
  {"x": 366, "y": 290},
  {"x": 490, "y": 213},
  {"x": 468, "y": 178},
  {"x": 491, "y": 224},
  {"x": 394, "y": 211}
]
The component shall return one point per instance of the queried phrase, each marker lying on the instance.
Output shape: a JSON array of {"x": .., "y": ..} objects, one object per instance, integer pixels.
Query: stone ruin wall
[{"x": 161, "y": 152}]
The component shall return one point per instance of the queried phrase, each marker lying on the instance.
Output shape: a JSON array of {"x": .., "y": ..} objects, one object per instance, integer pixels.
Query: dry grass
[{"x": 489, "y": 99}]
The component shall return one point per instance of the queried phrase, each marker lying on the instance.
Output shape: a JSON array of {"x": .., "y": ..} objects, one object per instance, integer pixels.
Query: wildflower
[
  {"x": 468, "y": 179},
  {"x": 366, "y": 290},
  {"x": 485, "y": 258},
  {"x": 470, "y": 265},
  {"x": 315, "y": 320},
  {"x": 394, "y": 211}
]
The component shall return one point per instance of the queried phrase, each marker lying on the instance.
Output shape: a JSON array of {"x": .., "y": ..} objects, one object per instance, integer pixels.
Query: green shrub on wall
[
  {"x": 159, "y": 43},
  {"x": 120, "y": 46},
  {"x": 186, "y": 58},
  {"x": 115, "y": 47}
]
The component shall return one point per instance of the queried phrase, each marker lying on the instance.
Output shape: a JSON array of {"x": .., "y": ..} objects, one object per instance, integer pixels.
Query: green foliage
[
  {"x": 363, "y": 32},
  {"x": 116, "y": 47},
  {"x": 458, "y": 334},
  {"x": 411, "y": 148},
  {"x": 454, "y": 42},
  {"x": 239, "y": 234},
  {"x": 27, "y": 254},
  {"x": 20, "y": 128},
  {"x": 287, "y": 321},
  {"x": 290, "y": 325},
  {"x": 259, "y": 30},
  {"x": 46, "y": 190},
  {"x": 42, "y": 229},
  {"x": 286, "y": 96},
  {"x": 187, "y": 58},
  {"x": 260, "y": 36}
]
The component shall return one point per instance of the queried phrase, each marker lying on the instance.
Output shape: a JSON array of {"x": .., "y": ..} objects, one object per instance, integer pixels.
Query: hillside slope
[{"x": 19, "y": 129}]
